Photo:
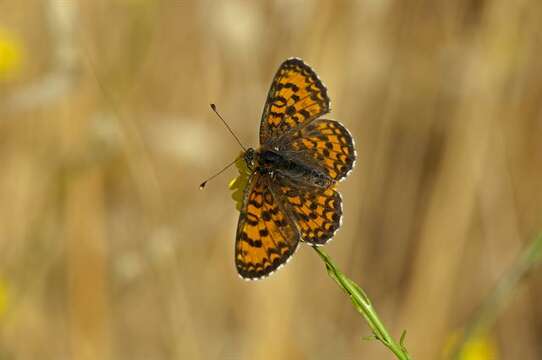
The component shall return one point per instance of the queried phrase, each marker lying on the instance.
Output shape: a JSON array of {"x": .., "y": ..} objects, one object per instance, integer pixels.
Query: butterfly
[{"x": 290, "y": 196}]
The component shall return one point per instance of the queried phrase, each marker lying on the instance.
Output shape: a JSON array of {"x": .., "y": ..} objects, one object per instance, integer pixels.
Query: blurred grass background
[{"x": 109, "y": 251}]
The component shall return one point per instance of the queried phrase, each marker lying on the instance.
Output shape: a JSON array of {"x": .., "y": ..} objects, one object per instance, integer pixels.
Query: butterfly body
[{"x": 291, "y": 195}]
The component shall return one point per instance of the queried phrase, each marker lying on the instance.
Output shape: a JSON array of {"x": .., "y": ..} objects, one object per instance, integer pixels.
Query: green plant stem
[
  {"x": 488, "y": 311},
  {"x": 364, "y": 307}
]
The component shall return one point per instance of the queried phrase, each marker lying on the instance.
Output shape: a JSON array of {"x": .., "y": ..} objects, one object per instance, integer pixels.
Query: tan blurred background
[{"x": 108, "y": 250}]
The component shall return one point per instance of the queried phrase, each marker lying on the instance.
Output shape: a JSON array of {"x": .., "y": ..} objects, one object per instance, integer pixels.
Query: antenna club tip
[
  {"x": 213, "y": 106},
  {"x": 202, "y": 185}
]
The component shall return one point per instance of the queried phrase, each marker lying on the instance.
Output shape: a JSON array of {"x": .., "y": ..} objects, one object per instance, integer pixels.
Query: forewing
[
  {"x": 327, "y": 144},
  {"x": 297, "y": 96},
  {"x": 266, "y": 237},
  {"x": 317, "y": 212}
]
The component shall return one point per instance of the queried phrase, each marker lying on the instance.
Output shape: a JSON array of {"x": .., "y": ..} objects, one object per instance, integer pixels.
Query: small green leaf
[
  {"x": 369, "y": 338},
  {"x": 359, "y": 292},
  {"x": 402, "y": 339}
]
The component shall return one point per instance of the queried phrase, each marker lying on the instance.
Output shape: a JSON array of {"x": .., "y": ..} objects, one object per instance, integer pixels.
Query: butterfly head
[{"x": 250, "y": 158}]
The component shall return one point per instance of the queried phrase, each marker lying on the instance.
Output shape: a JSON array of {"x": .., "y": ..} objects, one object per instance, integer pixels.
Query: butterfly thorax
[{"x": 274, "y": 163}]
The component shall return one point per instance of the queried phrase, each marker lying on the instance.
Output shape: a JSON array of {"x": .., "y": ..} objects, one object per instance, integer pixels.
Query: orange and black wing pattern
[
  {"x": 328, "y": 144},
  {"x": 266, "y": 237},
  {"x": 317, "y": 212},
  {"x": 296, "y": 97}
]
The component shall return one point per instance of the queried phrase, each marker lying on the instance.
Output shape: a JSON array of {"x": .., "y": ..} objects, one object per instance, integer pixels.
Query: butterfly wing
[
  {"x": 266, "y": 237},
  {"x": 326, "y": 144},
  {"x": 316, "y": 212},
  {"x": 296, "y": 97}
]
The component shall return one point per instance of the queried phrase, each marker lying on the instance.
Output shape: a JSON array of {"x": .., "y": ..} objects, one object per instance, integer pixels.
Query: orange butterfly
[{"x": 290, "y": 195}]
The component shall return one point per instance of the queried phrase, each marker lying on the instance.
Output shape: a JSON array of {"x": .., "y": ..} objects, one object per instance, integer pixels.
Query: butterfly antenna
[
  {"x": 202, "y": 185},
  {"x": 213, "y": 106}
]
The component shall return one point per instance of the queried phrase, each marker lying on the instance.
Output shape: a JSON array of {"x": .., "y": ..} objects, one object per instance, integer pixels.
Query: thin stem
[{"x": 364, "y": 307}]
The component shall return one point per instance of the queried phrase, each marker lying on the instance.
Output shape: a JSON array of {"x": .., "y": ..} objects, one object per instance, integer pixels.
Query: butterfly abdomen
[{"x": 272, "y": 162}]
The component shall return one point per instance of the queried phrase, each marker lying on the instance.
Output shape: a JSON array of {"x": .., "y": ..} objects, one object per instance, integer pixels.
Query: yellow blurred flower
[
  {"x": 10, "y": 55},
  {"x": 3, "y": 297},
  {"x": 480, "y": 347},
  {"x": 238, "y": 184}
]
